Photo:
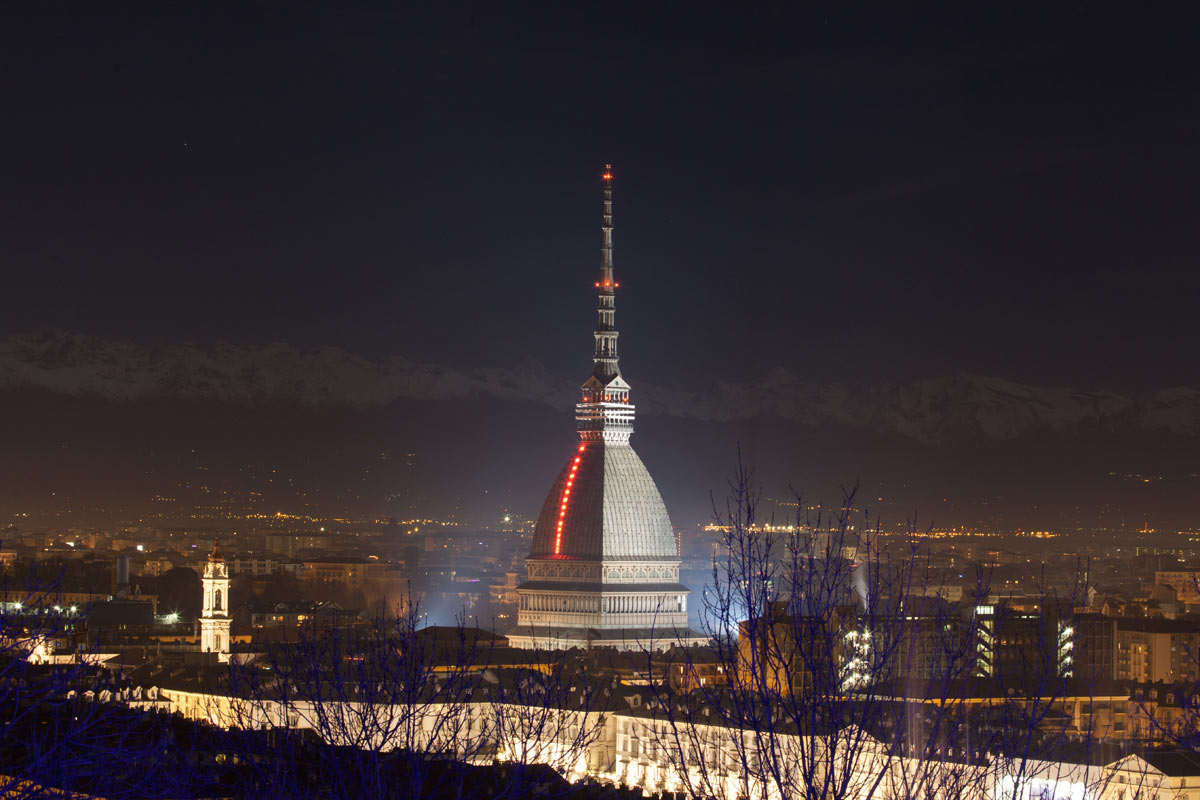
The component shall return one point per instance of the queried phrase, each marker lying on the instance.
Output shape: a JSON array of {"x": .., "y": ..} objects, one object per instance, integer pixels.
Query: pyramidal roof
[{"x": 604, "y": 504}]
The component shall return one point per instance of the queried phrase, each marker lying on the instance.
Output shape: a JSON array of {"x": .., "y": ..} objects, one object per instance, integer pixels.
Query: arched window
[{"x": 217, "y": 600}]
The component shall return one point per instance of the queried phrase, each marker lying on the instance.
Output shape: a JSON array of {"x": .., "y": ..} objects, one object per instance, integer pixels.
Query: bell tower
[{"x": 214, "y": 610}]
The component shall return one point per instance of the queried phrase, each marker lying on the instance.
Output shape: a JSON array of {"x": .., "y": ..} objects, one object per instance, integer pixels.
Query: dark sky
[{"x": 853, "y": 192}]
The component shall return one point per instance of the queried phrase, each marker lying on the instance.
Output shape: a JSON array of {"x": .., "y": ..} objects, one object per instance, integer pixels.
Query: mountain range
[
  {"x": 99, "y": 429},
  {"x": 948, "y": 411}
]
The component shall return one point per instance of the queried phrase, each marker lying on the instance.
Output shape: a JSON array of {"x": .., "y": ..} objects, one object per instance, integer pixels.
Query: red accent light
[
  {"x": 566, "y": 496},
  {"x": 608, "y": 176}
]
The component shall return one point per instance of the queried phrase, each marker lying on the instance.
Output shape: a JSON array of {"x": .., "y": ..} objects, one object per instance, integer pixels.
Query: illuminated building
[
  {"x": 214, "y": 612},
  {"x": 778, "y": 651},
  {"x": 768, "y": 654},
  {"x": 1156, "y": 650},
  {"x": 1030, "y": 640},
  {"x": 604, "y": 564}
]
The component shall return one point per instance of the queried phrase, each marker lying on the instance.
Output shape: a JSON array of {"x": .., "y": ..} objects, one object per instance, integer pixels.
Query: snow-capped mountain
[
  {"x": 79, "y": 365},
  {"x": 939, "y": 410},
  {"x": 936, "y": 411}
]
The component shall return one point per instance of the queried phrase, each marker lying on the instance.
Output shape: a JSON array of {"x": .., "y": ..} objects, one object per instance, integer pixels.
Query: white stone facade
[
  {"x": 215, "y": 621},
  {"x": 641, "y": 751}
]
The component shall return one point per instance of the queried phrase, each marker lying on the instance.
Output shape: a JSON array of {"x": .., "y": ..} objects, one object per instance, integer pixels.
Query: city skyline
[{"x": 295, "y": 346}]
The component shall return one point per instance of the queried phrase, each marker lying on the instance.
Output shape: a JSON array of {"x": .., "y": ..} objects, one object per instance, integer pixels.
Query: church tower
[
  {"x": 214, "y": 611},
  {"x": 604, "y": 565}
]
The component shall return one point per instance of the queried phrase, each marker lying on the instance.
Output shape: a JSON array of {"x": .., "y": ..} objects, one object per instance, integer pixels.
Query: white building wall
[{"x": 722, "y": 763}]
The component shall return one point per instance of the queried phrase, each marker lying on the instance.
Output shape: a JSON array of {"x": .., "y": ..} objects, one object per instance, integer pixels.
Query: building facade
[
  {"x": 1185, "y": 582},
  {"x": 1157, "y": 650}
]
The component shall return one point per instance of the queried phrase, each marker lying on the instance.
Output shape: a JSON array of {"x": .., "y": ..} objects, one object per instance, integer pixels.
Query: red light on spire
[{"x": 607, "y": 172}]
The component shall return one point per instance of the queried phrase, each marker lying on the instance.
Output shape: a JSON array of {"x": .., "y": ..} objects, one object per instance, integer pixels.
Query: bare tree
[
  {"x": 372, "y": 710},
  {"x": 61, "y": 725},
  {"x": 848, "y": 675},
  {"x": 390, "y": 709},
  {"x": 546, "y": 716}
]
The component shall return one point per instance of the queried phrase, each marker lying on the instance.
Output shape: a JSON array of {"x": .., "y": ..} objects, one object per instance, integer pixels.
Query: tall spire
[
  {"x": 604, "y": 360},
  {"x": 604, "y": 560},
  {"x": 605, "y": 411}
]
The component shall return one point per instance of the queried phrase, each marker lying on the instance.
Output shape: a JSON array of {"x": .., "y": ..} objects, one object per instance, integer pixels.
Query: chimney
[{"x": 122, "y": 589}]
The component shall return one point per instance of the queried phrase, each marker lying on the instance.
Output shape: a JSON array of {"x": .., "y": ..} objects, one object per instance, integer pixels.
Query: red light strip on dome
[{"x": 566, "y": 497}]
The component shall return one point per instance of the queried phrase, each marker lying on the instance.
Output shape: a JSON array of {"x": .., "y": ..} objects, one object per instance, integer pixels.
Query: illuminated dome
[{"x": 613, "y": 512}]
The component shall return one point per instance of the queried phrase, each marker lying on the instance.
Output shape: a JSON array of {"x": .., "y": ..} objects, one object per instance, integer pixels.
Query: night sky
[{"x": 851, "y": 191}]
